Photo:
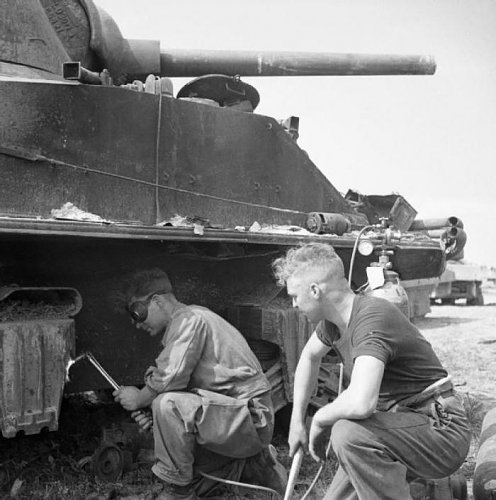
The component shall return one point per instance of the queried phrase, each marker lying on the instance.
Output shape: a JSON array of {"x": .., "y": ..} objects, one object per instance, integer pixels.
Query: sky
[{"x": 431, "y": 139}]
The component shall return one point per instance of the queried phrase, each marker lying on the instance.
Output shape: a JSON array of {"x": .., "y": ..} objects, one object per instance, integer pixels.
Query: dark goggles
[{"x": 138, "y": 310}]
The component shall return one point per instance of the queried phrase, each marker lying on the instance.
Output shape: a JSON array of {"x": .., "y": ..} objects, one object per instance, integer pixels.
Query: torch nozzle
[{"x": 102, "y": 370}]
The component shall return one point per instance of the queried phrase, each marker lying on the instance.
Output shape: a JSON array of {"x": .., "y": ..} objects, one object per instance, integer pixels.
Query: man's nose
[{"x": 293, "y": 300}]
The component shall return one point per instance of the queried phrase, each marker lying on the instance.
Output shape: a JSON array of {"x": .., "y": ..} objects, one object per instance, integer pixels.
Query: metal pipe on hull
[{"x": 425, "y": 224}]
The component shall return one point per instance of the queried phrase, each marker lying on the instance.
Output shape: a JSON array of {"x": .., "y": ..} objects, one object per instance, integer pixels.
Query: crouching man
[
  {"x": 398, "y": 417},
  {"x": 211, "y": 404}
]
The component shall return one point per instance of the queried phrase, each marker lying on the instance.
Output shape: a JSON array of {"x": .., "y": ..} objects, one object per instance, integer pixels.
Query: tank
[{"x": 107, "y": 169}]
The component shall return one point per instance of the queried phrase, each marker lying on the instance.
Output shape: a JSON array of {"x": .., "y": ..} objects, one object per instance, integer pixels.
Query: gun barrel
[
  {"x": 191, "y": 63},
  {"x": 101, "y": 46}
]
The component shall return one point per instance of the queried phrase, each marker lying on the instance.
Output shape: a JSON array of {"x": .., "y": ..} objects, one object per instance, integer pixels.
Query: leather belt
[{"x": 440, "y": 388}]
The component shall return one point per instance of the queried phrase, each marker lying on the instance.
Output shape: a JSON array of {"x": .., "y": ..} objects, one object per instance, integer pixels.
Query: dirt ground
[
  {"x": 52, "y": 467},
  {"x": 464, "y": 337}
]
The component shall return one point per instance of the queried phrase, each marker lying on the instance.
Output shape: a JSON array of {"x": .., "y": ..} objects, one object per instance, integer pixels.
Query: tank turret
[{"x": 55, "y": 32}]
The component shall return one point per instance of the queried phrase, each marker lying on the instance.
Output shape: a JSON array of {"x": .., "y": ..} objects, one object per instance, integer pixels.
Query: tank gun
[
  {"x": 248, "y": 63},
  {"x": 57, "y": 32}
]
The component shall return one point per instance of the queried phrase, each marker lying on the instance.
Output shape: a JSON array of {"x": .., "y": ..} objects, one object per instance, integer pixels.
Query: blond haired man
[{"x": 398, "y": 417}]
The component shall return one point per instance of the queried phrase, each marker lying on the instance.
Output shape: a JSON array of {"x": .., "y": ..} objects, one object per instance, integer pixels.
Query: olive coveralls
[{"x": 213, "y": 408}]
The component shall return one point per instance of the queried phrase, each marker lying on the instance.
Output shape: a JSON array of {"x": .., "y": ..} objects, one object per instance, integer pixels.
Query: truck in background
[{"x": 460, "y": 280}]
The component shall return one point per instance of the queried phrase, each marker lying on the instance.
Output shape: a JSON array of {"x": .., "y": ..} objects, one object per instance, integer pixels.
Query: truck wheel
[{"x": 478, "y": 300}]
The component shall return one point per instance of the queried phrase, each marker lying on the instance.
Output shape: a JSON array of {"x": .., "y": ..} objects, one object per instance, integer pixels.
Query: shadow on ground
[{"x": 440, "y": 321}]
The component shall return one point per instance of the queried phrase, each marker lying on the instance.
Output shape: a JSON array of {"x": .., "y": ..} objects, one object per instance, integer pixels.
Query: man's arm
[
  {"x": 356, "y": 402},
  {"x": 131, "y": 398},
  {"x": 183, "y": 349},
  {"x": 175, "y": 364},
  {"x": 306, "y": 376}
]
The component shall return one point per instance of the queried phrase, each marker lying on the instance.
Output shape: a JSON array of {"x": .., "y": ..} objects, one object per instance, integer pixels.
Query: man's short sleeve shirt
[{"x": 378, "y": 328}]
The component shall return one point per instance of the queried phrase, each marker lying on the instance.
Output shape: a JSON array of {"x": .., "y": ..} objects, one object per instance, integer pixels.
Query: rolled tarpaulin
[{"x": 484, "y": 486}]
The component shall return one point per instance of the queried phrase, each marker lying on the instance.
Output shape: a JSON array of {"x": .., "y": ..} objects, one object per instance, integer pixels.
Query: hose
[{"x": 242, "y": 485}]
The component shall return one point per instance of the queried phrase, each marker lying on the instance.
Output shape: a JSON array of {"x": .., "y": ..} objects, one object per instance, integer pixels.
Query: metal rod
[
  {"x": 102, "y": 371},
  {"x": 110, "y": 380},
  {"x": 341, "y": 372},
  {"x": 329, "y": 443},
  {"x": 293, "y": 473}
]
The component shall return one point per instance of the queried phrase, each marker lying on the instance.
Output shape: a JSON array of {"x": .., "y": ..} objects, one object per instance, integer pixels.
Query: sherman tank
[{"x": 107, "y": 169}]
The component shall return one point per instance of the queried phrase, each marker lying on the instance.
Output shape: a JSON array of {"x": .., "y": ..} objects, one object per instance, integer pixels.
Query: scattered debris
[
  {"x": 69, "y": 211},
  {"x": 277, "y": 229},
  {"x": 181, "y": 221},
  {"x": 255, "y": 227},
  {"x": 16, "y": 488},
  {"x": 200, "y": 223}
]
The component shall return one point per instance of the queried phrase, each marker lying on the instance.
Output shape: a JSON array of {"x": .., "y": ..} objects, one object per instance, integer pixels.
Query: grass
[
  {"x": 53, "y": 466},
  {"x": 49, "y": 466}
]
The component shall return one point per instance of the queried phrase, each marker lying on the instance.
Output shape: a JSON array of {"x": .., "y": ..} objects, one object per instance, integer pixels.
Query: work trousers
[
  {"x": 380, "y": 454},
  {"x": 209, "y": 432}
]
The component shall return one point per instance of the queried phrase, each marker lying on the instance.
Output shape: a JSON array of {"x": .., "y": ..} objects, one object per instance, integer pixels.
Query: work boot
[
  {"x": 265, "y": 470},
  {"x": 172, "y": 491}
]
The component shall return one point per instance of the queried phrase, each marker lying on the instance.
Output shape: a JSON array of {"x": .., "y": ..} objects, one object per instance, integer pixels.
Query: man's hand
[
  {"x": 297, "y": 438},
  {"x": 317, "y": 444},
  {"x": 143, "y": 418},
  {"x": 129, "y": 397}
]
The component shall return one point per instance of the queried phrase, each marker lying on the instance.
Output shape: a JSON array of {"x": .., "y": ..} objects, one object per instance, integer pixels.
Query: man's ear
[
  {"x": 157, "y": 299},
  {"x": 315, "y": 290}
]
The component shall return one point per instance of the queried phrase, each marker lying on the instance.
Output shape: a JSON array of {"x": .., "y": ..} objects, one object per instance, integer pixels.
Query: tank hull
[
  {"x": 134, "y": 156},
  {"x": 138, "y": 160}
]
